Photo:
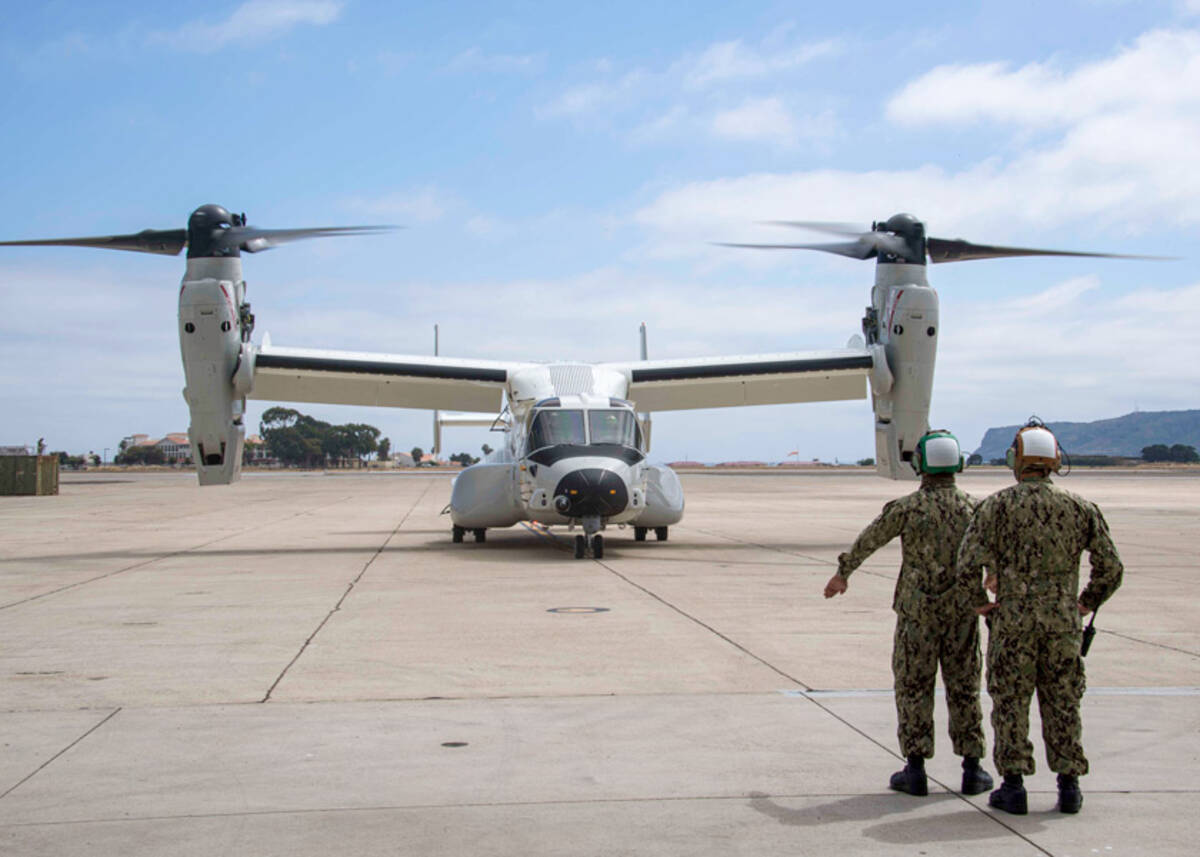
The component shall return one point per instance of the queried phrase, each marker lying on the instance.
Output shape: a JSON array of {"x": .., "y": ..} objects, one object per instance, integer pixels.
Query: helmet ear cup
[{"x": 1010, "y": 457}]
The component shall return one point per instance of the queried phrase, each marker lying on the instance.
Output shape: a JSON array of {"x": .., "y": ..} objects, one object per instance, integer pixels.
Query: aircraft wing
[
  {"x": 384, "y": 380},
  {"x": 756, "y": 379}
]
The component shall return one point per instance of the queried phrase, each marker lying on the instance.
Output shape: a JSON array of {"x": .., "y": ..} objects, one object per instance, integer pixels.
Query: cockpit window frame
[
  {"x": 535, "y": 439},
  {"x": 627, "y": 412},
  {"x": 555, "y": 413}
]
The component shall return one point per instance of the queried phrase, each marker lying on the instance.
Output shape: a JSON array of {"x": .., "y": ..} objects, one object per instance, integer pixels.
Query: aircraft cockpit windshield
[
  {"x": 577, "y": 427},
  {"x": 619, "y": 427},
  {"x": 555, "y": 426}
]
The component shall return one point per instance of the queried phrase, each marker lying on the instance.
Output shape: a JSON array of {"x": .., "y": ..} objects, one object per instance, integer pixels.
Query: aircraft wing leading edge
[
  {"x": 761, "y": 379},
  {"x": 379, "y": 380}
]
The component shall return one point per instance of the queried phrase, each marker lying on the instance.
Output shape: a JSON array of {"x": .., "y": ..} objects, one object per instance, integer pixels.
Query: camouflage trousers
[
  {"x": 918, "y": 649},
  {"x": 1021, "y": 660}
]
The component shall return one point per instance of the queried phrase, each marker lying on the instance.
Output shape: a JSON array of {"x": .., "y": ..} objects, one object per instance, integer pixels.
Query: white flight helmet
[
  {"x": 1034, "y": 448},
  {"x": 938, "y": 452}
]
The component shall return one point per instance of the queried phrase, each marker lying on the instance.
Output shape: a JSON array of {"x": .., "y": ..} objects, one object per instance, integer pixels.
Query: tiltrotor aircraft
[{"x": 576, "y": 435}]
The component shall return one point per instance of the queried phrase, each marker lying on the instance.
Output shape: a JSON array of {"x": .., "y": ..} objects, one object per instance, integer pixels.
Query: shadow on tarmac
[{"x": 867, "y": 808}]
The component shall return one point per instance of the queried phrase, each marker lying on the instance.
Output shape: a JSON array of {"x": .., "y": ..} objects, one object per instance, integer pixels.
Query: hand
[
  {"x": 836, "y": 586},
  {"x": 989, "y": 582},
  {"x": 1083, "y": 611},
  {"x": 987, "y": 608}
]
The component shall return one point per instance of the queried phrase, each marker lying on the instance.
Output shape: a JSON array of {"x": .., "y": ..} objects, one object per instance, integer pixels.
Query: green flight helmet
[{"x": 938, "y": 452}]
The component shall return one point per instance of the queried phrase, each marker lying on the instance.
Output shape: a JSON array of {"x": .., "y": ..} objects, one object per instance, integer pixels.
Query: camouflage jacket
[
  {"x": 930, "y": 523},
  {"x": 1030, "y": 535}
]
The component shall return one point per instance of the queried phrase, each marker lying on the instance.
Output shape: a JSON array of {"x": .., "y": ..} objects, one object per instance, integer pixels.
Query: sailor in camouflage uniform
[
  {"x": 1029, "y": 538},
  {"x": 933, "y": 623}
]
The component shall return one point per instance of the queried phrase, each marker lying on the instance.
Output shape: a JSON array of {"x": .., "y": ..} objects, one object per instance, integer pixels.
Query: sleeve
[
  {"x": 1107, "y": 569},
  {"x": 974, "y": 556},
  {"x": 878, "y": 533}
]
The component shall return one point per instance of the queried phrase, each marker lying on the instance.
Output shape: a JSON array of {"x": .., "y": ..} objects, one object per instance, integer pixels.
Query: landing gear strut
[{"x": 591, "y": 536}]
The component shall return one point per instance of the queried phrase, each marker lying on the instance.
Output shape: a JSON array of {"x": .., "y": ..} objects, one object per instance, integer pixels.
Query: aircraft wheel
[
  {"x": 580, "y": 547},
  {"x": 456, "y": 533},
  {"x": 639, "y": 534},
  {"x": 598, "y": 546},
  {"x": 660, "y": 533},
  {"x": 481, "y": 535}
]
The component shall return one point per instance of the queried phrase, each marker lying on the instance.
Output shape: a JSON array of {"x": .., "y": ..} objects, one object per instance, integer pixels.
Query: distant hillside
[{"x": 1118, "y": 436}]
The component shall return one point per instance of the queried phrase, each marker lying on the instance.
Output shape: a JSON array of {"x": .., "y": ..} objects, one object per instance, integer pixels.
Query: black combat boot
[
  {"x": 1070, "y": 798},
  {"x": 1010, "y": 797},
  {"x": 912, "y": 779},
  {"x": 975, "y": 780}
]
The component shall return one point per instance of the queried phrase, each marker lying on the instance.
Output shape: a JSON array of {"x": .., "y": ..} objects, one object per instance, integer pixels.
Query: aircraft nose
[{"x": 591, "y": 491}]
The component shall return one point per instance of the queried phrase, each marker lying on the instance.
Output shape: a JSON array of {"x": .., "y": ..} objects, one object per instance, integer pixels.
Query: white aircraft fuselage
[{"x": 576, "y": 458}]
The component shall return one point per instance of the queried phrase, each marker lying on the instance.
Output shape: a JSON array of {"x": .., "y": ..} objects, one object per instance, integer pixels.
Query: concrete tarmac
[{"x": 303, "y": 664}]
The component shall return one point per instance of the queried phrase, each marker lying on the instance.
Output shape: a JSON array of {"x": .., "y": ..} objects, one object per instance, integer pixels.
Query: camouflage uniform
[
  {"x": 933, "y": 622},
  {"x": 1030, "y": 536}
]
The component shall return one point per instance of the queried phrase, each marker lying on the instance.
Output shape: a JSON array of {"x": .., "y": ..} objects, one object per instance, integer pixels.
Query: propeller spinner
[
  {"x": 212, "y": 231},
  {"x": 901, "y": 239}
]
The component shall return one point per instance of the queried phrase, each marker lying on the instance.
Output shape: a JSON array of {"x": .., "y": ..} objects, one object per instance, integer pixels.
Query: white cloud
[
  {"x": 473, "y": 59},
  {"x": 1115, "y": 148},
  {"x": 770, "y": 120},
  {"x": 254, "y": 20},
  {"x": 765, "y": 119},
  {"x": 694, "y": 94},
  {"x": 1066, "y": 353},
  {"x": 1159, "y": 72},
  {"x": 662, "y": 127},
  {"x": 592, "y": 97},
  {"x": 423, "y": 205},
  {"x": 730, "y": 61}
]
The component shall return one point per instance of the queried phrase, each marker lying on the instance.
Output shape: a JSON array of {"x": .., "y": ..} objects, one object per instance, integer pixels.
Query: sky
[{"x": 561, "y": 171}]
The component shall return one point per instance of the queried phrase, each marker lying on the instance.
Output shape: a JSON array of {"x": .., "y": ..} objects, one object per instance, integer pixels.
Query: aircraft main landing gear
[
  {"x": 457, "y": 534},
  {"x": 639, "y": 534}
]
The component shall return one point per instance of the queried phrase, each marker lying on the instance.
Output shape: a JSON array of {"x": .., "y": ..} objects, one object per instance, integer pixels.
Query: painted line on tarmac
[
  {"x": 350, "y": 588},
  {"x": 168, "y": 555},
  {"x": 699, "y": 622},
  {"x": 60, "y": 753},
  {"x": 1149, "y": 643}
]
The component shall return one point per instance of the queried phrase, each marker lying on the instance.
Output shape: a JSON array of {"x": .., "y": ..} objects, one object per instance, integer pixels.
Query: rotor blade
[
  {"x": 166, "y": 242},
  {"x": 957, "y": 250},
  {"x": 853, "y": 249},
  {"x": 253, "y": 239},
  {"x": 831, "y": 228}
]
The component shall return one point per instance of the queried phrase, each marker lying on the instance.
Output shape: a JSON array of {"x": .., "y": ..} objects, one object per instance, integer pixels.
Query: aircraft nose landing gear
[
  {"x": 581, "y": 546},
  {"x": 591, "y": 535}
]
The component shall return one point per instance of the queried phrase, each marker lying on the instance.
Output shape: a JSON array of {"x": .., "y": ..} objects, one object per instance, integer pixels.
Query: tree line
[
  {"x": 1176, "y": 452},
  {"x": 298, "y": 439}
]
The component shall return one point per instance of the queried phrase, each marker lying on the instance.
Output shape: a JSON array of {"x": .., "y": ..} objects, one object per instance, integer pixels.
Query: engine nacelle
[
  {"x": 218, "y": 364},
  {"x": 901, "y": 328}
]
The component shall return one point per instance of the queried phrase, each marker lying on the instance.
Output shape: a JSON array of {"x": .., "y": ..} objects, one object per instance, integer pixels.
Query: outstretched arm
[{"x": 878, "y": 533}]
